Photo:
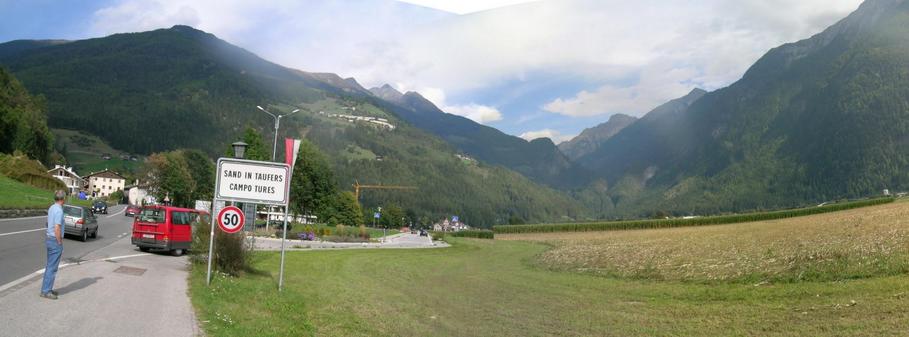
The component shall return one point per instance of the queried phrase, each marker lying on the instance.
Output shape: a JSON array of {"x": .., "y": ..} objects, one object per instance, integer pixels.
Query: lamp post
[
  {"x": 239, "y": 149},
  {"x": 274, "y": 148}
]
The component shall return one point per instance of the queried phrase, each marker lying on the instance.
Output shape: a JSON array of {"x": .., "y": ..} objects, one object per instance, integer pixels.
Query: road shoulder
[{"x": 144, "y": 295}]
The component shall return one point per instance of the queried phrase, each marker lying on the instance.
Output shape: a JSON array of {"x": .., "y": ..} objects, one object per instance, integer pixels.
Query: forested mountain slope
[{"x": 819, "y": 119}]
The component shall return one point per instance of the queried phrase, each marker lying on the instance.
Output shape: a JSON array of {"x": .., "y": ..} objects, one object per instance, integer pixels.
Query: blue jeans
[{"x": 54, "y": 252}]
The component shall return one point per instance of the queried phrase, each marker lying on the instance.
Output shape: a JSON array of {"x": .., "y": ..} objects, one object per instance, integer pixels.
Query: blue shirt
[{"x": 54, "y": 217}]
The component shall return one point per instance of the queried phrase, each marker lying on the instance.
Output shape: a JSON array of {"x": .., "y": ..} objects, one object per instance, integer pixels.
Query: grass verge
[
  {"x": 492, "y": 288},
  {"x": 17, "y": 195}
]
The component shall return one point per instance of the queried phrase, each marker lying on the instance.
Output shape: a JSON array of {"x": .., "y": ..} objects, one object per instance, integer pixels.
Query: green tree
[
  {"x": 23, "y": 121},
  {"x": 347, "y": 209},
  {"x": 255, "y": 149},
  {"x": 202, "y": 170},
  {"x": 169, "y": 175},
  {"x": 255, "y": 146},
  {"x": 116, "y": 197},
  {"x": 313, "y": 187},
  {"x": 392, "y": 216}
]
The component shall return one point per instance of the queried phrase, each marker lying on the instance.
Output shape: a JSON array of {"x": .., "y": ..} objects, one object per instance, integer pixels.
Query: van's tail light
[{"x": 79, "y": 222}]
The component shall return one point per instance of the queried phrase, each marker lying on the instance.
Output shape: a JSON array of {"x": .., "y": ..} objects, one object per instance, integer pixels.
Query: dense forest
[{"x": 23, "y": 123}]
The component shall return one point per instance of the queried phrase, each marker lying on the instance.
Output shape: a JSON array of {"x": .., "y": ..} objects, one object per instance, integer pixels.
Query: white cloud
[
  {"x": 478, "y": 113},
  {"x": 657, "y": 84},
  {"x": 554, "y": 135},
  {"x": 633, "y": 54},
  {"x": 482, "y": 114},
  {"x": 465, "y": 6}
]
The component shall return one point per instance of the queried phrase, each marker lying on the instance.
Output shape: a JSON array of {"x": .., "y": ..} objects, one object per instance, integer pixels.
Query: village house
[
  {"x": 69, "y": 178},
  {"x": 136, "y": 193},
  {"x": 449, "y": 226},
  {"x": 102, "y": 184}
]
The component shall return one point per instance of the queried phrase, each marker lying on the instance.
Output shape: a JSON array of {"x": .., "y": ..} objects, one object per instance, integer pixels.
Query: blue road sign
[
  {"x": 454, "y": 218},
  {"x": 376, "y": 215}
]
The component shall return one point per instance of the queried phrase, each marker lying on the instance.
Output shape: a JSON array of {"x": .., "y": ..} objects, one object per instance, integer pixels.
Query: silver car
[{"x": 79, "y": 221}]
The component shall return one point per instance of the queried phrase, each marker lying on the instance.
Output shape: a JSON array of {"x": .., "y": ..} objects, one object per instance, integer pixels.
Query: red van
[{"x": 165, "y": 227}]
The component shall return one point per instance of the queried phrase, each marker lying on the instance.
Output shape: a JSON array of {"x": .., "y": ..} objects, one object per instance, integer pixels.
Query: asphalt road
[{"x": 22, "y": 250}]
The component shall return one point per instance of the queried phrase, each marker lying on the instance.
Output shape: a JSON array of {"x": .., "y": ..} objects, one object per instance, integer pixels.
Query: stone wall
[{"x": 21, "y": 213}]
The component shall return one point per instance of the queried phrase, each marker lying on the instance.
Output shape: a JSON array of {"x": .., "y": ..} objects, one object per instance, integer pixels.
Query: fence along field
[{"x": 672, "y": 223}]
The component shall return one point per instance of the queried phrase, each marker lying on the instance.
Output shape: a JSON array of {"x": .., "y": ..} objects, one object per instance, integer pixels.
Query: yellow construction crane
[{"x": 357, "y": 188}]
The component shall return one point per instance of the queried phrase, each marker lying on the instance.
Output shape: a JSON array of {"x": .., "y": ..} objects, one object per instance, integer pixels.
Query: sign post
[
  {"x": 247, "y": 181},
  {"x": 291, "y": 149}
]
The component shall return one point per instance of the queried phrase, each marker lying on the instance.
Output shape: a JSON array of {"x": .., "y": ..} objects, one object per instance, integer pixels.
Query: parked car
[
  {"x": 423, "y": 233},
  {"x": 132, "y": 210},
  {"x": 79, "y": 221},
  {"x": 166, "y": 228},
  {"x": 99, "y": 207}
]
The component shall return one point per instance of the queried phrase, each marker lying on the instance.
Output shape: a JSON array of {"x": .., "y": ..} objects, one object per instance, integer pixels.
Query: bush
[
  {"x": 347, "y": 234},
  {"x": 231, "y": 254},
  {"x": 476, "y": 234},
  {"x": 669, "y": 223},
  {"x": 364, "y": 234},
  {"x": 437, "y": 236}
]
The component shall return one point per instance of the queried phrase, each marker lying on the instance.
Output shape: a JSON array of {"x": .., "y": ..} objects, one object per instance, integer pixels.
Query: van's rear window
[{"x": 152, "y": 215}]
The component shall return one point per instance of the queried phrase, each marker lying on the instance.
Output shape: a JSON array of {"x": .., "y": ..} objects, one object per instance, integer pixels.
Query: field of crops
[
  {"x": 852, "y": 244},
  {"x": 681, "y": 222}
]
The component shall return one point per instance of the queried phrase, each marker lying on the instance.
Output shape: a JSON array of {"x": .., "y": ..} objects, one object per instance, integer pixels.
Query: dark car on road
[
  {"x": 132, "y": 210},
  {"x": 79, "y": 221},
  {"x": 423, "y": 233},
  {"x": 99, "y": 207}
]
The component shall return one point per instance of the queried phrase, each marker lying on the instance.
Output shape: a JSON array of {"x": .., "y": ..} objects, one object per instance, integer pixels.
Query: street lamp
[
  {"x": 277, "y": 118},
  {"x": 239, "y": 149}
]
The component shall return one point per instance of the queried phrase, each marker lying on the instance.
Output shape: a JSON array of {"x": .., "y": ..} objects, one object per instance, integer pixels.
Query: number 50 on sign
[{"x": 231, "y": 219}]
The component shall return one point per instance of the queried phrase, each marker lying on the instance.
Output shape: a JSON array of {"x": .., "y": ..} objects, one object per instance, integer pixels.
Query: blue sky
[{"x": 531, "y": 68}]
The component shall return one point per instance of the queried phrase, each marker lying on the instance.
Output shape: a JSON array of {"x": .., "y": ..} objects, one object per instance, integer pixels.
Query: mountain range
[
  {"x": 811, "y": 121},
  {"x": 591, "y": 138},
  {"x": 184, "y": 88}
]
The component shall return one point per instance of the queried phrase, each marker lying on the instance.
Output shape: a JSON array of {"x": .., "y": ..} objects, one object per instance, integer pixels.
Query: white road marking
[
  {"x": 41, "y": 271},
  {"x": 25, "y": 231},
  {"x": 118, "y": 213},
  {"x": 121, "y": 257}
]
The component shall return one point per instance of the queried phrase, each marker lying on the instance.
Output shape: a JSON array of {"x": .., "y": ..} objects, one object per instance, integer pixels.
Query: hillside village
[{"x": 381, "y": 122}]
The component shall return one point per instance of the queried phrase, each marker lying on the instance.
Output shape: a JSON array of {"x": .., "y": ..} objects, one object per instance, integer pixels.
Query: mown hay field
[{"x": 852, "y": 244}]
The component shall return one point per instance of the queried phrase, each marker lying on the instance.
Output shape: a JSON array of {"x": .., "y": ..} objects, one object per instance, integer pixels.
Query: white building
[
  {"x": 136, "y": 193},
  {"x": 69, "y": 178},
  {"x": 102, "y": 184},
  {"x": 278, "y": 215}
]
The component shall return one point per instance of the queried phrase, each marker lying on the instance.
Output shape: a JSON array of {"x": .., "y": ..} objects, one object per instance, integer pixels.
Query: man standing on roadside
[{"x": 54, "y": 244}]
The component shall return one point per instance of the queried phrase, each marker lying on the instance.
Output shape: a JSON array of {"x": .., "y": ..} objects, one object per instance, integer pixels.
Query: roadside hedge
[
  {"x": 670, "y": 223},
  {"x": 474, "y": 233}
]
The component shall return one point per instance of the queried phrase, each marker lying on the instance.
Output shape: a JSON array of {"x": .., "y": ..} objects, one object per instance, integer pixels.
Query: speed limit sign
[{"x": 231, "y": 219}]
